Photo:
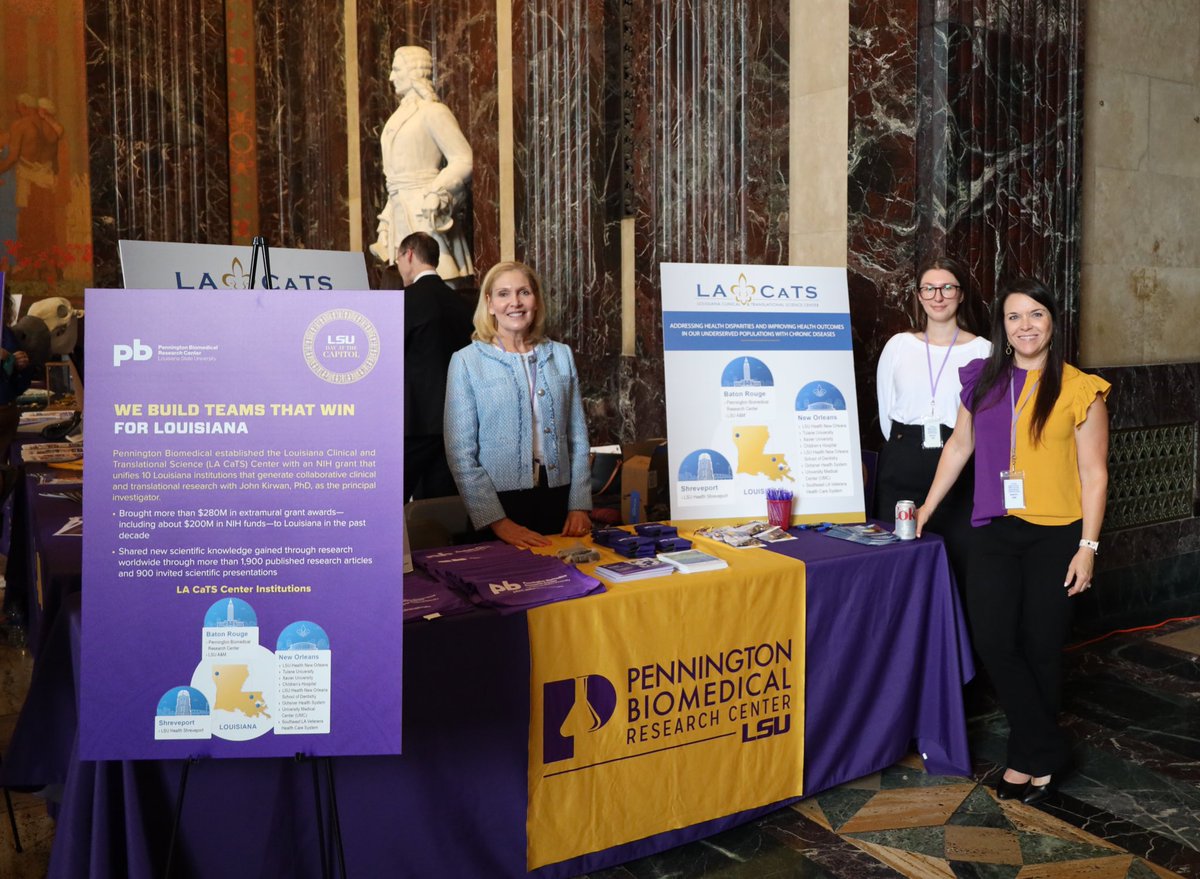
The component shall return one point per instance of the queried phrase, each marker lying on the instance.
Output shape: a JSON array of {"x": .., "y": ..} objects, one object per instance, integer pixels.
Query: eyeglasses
[{"x": 948, "y": 291}]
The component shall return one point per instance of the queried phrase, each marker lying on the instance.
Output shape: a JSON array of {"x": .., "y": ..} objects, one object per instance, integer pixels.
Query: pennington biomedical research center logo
[
  {"x": 341, "y": 346},
  {"x": 139, "y": 350},
  {"x": 573, "y": 708}
]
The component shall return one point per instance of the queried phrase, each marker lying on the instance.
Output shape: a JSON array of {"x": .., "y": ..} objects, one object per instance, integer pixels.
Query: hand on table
[
  {"x": 923, "y": 514},
  {"x": 578, "y": 524},
  {"x": 518, "y": 535}
]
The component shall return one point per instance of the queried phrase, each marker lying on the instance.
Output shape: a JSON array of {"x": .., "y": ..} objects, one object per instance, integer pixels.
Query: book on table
[
  {"x": 693, "y": 561},
  {"x": 634, "y": 569}
]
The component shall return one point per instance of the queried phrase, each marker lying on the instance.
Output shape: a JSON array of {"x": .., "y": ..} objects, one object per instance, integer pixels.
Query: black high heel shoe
[
  {"x": 1011, "y": 790},
  {"x": 1036, "y": 793}
]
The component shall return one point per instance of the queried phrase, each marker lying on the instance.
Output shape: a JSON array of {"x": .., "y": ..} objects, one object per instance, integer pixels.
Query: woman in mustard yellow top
[{"x": 1038, "y": 428}]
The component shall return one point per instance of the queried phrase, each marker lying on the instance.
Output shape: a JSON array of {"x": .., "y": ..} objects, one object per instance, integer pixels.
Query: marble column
[{"x": 157, "y": 125}]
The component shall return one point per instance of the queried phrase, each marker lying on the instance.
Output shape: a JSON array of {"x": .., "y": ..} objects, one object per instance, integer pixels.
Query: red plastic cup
[{"x": 779, "y": 513}]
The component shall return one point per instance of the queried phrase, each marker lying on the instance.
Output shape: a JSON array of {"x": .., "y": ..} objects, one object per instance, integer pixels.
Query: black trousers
[
  {"x": 906, "y": 472},
  {"x": 1020, "y": 615},
  {"x": 541, "y": 508},
  {"x": 426, "y": 473}
]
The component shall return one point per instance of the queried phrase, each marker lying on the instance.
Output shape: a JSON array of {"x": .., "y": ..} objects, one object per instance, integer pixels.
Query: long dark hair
[
  {"x": 967, "y": 314},
  {"x": 999, "y": 365}
]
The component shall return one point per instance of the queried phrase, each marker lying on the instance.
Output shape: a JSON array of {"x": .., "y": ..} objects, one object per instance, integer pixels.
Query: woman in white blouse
[{"x": 918, "y": 387}]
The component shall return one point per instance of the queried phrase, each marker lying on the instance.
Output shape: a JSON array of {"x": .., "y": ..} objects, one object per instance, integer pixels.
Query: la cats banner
[
  {"x": 760, "y": 392},
  {"x": 241, "y": 554}
]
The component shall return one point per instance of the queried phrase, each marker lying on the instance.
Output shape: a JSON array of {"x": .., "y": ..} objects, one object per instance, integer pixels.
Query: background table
[
  {"x": 887, "y": 656},
  {"x": 42, "y": 565}
]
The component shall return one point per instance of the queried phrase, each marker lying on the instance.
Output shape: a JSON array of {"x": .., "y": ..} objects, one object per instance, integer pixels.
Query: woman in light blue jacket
[{"x": 516, "y": 439}]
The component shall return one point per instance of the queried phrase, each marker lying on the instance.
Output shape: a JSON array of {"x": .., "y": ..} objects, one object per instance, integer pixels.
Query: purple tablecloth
[
  {"x": 887, "y": 652},
  {"x": 887, "y": 656},
  {"x": 42, "y": 745},
  {"x": 36, "y": 519}
]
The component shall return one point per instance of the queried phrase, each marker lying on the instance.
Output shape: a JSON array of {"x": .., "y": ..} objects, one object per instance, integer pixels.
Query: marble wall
[
  {"x": 709, "y": 133},
  {"x": 819, "y": 132},
  {"x": 1140, "y": 284},
  {"x": 299, "y": 91},
  {"x": 1141, "y": 253},
  {"x": 964, "y": 138},
  {"x": 157, "y": 125},
  {"x": 567, "y": 180}
]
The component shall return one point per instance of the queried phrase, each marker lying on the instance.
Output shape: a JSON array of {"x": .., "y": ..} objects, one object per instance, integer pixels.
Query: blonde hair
[{"x": 485, "y": 323}]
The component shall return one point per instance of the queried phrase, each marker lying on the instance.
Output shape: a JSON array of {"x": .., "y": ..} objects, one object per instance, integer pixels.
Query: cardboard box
[{"x": 644, "y": 471}]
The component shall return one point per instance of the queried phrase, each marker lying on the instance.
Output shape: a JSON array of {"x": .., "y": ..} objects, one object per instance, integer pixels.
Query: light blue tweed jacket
[{"x": 489, "y": 428}]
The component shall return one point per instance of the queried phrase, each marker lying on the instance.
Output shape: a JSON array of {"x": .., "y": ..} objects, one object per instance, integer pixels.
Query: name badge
[
  {"x": 931, "y": 437},
  {"x": 1014, "y": 489}
]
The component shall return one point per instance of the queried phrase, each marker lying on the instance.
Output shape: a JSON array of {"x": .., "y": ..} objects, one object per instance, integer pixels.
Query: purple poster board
[{"x": 242, "y": 586}]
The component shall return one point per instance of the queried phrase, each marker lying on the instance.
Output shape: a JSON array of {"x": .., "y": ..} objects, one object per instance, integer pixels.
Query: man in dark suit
[{"x": 437, "y": 322}]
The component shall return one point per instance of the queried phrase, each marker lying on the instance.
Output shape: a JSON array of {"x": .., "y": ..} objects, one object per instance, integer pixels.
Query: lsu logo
[
  {"x": 573, "y": 707},
  {"x": 767, "y": 727},
  {"x": 136, "y": 351}
]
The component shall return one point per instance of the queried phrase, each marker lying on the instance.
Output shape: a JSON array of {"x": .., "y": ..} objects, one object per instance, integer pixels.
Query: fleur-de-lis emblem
[
  {"x": 743, "y": 291},
  {"x": 236, "y": 278}
]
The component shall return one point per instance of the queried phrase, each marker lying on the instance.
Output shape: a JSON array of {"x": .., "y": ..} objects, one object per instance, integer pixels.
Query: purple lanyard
[
  {"x": 933, "y": 382},
  {"x": 1016, "y": 413}
]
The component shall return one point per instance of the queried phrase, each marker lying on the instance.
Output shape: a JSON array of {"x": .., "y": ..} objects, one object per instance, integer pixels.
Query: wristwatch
[{"x": 1093, "y": 545}]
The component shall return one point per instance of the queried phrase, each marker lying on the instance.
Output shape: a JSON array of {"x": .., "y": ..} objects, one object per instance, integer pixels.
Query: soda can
[{"x": 906, "y": 520}]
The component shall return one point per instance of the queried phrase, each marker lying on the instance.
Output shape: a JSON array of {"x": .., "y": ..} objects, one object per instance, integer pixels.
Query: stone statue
[{"x": 426, "y": 166}]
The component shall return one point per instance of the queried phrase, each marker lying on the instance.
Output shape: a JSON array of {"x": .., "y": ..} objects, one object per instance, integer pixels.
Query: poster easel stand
[
  {"x": 329, "y": 848},
  {"x": 260, "y": 243},
  {"x": 12, "y": 816},
  {"x": 183, "y": 780},
  {"x": 335, "y": 850}
]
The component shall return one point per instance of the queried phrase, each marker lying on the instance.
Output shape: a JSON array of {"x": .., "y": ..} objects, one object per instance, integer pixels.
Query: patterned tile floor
[
  {"x": 34, "y": 826},
  {"x": 1131, "y": 810}
]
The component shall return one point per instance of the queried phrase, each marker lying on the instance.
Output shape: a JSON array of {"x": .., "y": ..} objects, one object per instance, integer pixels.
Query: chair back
[{"x": 436, "y": 521}]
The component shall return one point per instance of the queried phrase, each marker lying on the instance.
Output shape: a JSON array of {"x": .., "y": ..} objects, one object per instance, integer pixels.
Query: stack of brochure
[
  {"x": 634, "y": 569},
  {"x": 503, "y": 577},
  {"x": 427, "y": 597},
  {"x": 869, "y": 535},
  {"x": 73, "y": 528},
  {"x": 43, "y": 453},
  {"x": 692, "y": 561}
]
